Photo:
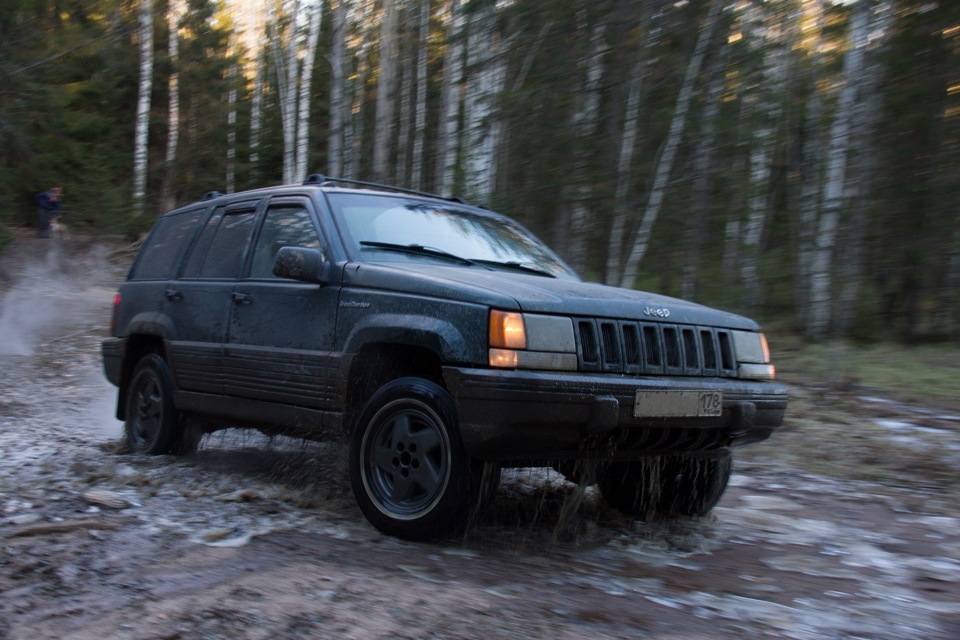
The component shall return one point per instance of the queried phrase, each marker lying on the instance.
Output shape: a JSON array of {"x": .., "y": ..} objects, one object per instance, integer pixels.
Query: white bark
[
  {"x": 448, "y": 143},
  {"x": 174, "y": 12},
  {"x": 665, "y": 165},
  {"x": 628, "y": 142},
  {"x": 407, "y": 86},
  {"x": 306, "y": 81},
  {"x": 140, "y": 149},
  {"x": 480, "y": 124},
  {"x": 833, "y": 197},
  {"x": 256, "y": 116},
  {"x": 386, "y": 90},
  {"x": 420, "y": 124},
  {"x": 231, "y": 177},
  {"x": 702, "y": 164},
  {"x": 337, "y": 91},
  {"x": 584, "y": 121}
]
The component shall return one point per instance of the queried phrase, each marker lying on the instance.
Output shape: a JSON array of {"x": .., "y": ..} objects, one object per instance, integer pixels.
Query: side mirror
[{"x": 301, "y": 263}]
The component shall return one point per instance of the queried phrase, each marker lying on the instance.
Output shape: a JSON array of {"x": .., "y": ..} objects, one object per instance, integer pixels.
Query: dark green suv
[{"x": 443, "y": 341}]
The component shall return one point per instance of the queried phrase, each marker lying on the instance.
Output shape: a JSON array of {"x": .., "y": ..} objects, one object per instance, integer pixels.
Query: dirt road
[{"x": 259, "y": 538}]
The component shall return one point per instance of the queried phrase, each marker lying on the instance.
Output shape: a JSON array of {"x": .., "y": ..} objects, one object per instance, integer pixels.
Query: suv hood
[{"x": 536, "y": 294}]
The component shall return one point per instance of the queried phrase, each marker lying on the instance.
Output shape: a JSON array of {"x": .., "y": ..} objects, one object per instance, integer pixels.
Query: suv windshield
[{"x": 390, "y": 223}]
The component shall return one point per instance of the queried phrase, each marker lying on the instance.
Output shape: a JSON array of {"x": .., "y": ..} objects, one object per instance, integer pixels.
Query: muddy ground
[{"x": 845, "y": 525}]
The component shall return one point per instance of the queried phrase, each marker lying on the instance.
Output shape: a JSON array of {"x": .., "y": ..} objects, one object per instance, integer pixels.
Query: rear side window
[
  {"x": 221, "y": 247},
  {"x": 159, "y": 257}
]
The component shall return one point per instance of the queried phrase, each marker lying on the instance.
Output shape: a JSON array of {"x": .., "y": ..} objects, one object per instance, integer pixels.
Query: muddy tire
[
  {"x": 408, "y": 469},
  {"x": 666, "y": 486},
  {"x": 152, "y": 425}
]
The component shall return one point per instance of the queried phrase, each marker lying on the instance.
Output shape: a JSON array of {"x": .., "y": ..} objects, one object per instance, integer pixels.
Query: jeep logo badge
[{"x": 662, "y": 312}]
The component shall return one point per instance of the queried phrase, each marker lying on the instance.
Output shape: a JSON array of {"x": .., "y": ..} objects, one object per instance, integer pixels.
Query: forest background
[{"x": 795, "y": 160}]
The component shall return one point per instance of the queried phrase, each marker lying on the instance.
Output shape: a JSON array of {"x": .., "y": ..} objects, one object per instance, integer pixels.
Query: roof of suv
[{"x": 319, "y": 180}]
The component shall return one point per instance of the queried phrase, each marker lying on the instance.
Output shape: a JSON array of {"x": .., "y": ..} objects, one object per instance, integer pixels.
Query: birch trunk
[
  {"x": 386, "y": 89},
  {"x": 584, "y": 122},
  {"x": 337, "y": 86},
  {"x": 420, "y": 124},
  {"x": 833, "y": 197},
  {"x": 407, "y": 65},
  {"x": 174, "y": 12},
  {"x": 862, "y": 165},
  {"x": 702, "y": 164},
  {"x": 447, "y": 142},
  {"x": 303, "y": 100},
  {"x": 141, "y": 133},
  {"x": 256, "y": 117},
  {"x": 231, "y": 177},
  {"x": 478, "y": 116},
  {"x": 624, "y": 164},
  {"x": 665, "y": 166}
]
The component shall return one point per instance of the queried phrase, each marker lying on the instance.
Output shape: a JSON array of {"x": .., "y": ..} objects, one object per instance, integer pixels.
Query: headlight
[
  {"x": 529, "y": 341},
  {"x": 753, "y": 356}
]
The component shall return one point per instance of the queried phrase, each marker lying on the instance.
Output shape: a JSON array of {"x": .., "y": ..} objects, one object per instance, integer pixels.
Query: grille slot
[{"x": 649, "y": 348}]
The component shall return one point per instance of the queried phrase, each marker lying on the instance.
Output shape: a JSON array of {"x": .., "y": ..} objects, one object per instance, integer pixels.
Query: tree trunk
[
  {"x": 478, "y": 110},
  {"x": 665, "y": 166},
  {"x": 140, "y": 149},
  {"x": 447, "y": 141},
  {"x": 337, "y": 90},
  {"x": 833, "y": 198},
  {"x": 306, "y": 81},
  {"x": 584, "y": 121},
  {"x": 702, "y": 164},
  {"x": 256, "y": 116},
  {"x": 408, "y": 69},
  {"x": 420, "y": 125},
  {"x": 167, "y": 197},
  {"x": 386, "y": 90},
  {"x": 628, "y": 141},
  {"x": 231, "y": 177}
]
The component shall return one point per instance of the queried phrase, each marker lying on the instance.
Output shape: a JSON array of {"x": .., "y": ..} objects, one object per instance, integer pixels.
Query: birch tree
[
  {"x": 386, "y": 89},
  {"x": 337, "y": 89},
  {"x": 140, "y": 150},
  {"x": 628, "y": 142},
  {"x": 174, "y": 11},
  {"x": 314, "y": 11},
  {"x": 480, "y": 121},
  {"x": 584, "y": 121},
  {"x": 420, "y": 108},
  {"x": 665, "y": 166},
  {"x": 833, "y": 194},
  {"x": 447, "y": 140}
]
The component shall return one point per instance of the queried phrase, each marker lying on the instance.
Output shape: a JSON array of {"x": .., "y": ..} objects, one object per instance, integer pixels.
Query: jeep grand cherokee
[{"x": 442, "y": 341}]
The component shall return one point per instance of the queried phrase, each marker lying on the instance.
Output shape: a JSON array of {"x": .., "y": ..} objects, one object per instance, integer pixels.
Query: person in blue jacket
[{"x": 48, "y": 206}]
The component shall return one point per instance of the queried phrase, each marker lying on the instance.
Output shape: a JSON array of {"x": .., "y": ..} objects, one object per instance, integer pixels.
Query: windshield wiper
[
  {"x": 417, "y": 249},
  {"x": 510, "y": 264}
]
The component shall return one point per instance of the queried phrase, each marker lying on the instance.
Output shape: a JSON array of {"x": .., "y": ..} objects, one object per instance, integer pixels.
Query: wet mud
[{"x": 257, "y": 537}]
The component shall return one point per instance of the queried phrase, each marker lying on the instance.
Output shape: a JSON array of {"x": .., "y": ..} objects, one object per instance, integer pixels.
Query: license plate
[{"x": 678, "y": 404}]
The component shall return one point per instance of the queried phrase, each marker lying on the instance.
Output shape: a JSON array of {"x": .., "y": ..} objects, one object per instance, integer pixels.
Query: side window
[
  {"x": 285, "y": 225},
  {"x": 192, "y": 270},
  {"x": 225, "y": 256},
  {"x": 158, "y": 260}
]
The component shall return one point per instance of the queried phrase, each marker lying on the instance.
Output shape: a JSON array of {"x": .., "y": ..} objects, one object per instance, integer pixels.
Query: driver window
[{"x": 285, "y": 225}]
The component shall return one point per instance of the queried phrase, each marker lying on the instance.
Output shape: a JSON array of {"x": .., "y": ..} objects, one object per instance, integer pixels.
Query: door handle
[
  {"x": 242, "y": 298},
  {"x": 173, "y": 294}
]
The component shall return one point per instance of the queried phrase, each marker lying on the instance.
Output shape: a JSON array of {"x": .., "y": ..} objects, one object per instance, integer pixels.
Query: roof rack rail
[
  {"x": 327, "y": 181},
  {"x": 210, "y": 195}
]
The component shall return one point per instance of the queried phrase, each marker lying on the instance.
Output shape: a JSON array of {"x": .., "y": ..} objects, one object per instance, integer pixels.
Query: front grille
[{"x": 651, "y": 348}]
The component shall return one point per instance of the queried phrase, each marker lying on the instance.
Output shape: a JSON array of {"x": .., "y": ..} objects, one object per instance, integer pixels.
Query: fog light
[{"x": 503, "y": 358}]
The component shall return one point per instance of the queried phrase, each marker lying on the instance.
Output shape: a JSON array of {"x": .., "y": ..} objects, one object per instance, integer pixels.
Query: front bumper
[{"x": 531, "y": 416}]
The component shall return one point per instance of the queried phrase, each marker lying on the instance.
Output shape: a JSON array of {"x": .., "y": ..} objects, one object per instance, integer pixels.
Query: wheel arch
[{"x": 137, "y": 346}]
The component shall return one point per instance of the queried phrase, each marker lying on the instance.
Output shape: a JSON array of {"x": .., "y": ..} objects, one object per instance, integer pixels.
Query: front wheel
[
  {"x": 667, "y": 486},
  {"x": 409, "y": 471}
]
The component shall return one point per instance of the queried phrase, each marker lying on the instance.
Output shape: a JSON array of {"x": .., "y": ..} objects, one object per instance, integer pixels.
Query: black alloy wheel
[{"x": 152, "y": 424}]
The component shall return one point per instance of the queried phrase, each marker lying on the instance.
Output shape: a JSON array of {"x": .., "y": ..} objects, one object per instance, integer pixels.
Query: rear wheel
[
  {"x": 667, "y": 486},
  {"x": 409, "y": 471},
  {"x": 152, "y": 425}
]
